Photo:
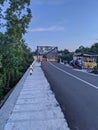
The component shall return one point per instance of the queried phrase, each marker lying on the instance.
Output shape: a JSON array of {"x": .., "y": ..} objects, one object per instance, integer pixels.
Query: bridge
[
  {"x": 67, "y": 99},
  {"x": 47, "y": 53},
  {"x": 32, "y": 105}
]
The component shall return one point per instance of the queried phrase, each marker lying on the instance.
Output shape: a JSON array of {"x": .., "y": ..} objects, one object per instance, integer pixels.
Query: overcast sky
[{"x": 63, "y": 23}]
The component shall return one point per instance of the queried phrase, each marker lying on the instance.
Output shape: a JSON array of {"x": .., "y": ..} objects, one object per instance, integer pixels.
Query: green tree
[
  {"x": 18, "y": 16},
  {"x": 94, "y": 48},
  {"x": 83, "y": 49},
  {"x": 15, "y": 56},
  {"x": 65, "y": 55}
]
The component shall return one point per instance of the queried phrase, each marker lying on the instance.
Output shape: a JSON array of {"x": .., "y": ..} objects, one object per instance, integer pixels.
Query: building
[
  {"x": 47, "y": 53},
  {"x": 88, "y": 60}
]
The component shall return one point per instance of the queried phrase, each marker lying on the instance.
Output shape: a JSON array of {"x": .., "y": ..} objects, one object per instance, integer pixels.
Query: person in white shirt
[{"x": 31, "y": 69}]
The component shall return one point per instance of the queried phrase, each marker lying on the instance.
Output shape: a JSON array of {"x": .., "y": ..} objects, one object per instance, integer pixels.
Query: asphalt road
[{"x": 77, "y": 93}]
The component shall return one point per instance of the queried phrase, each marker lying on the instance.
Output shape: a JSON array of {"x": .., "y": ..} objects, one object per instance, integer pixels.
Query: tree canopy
[
  {"x": 93, "y": 49},
  {"x": 15, "y": 56}
]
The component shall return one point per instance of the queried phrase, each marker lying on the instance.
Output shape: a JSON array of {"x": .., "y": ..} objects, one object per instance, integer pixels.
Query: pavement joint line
[
  {"x": 48, "y": 98},
  {"x": 30, "y": 97},
  {"x": 44, "y": 120},
  {"x": 54, "y": 110},
  {"x": 36, "y": 103},
  {"x": 36, "y": 110},
  {"x": 36, "y": 91}
]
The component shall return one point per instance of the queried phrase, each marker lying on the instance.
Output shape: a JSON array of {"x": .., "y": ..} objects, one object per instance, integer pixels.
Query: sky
[{"x": 67, "y": 24}]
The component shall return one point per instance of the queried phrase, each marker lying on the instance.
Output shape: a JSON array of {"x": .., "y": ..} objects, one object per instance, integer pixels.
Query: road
[{"x": 77, "y": 93}]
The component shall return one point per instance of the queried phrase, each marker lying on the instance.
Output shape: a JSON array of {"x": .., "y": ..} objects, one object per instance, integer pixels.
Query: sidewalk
[{"x": 36, "y": 107}]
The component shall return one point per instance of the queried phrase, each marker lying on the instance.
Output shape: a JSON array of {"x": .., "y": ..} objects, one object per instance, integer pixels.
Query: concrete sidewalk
[{"x": 36, "y": 107}]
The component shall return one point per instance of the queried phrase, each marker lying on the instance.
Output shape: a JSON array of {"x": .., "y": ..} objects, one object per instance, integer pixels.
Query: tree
[
  {"x": 83, "y": 49},
  {"x": 64, "y": 55},
  {"x": 1, "y": 14},
  {"x": 15, "y": 56},
  {"x": 18, "y": 16},
  {"x": 94, "y": 48}
]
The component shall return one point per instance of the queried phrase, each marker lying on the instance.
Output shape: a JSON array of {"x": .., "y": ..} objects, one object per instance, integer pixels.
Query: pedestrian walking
[
  {"x": 31, "y": 67},
  {"x": 31, "y": 71}
]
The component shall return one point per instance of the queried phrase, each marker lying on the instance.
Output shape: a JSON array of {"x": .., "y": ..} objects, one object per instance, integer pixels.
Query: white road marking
[
  {"x": 96, "y": 87},
  {"x": 87, "y": 72}
]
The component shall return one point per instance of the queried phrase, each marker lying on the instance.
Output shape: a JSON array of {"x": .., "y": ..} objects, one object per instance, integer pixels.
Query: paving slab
[
  {"x": 36, "y": 107},
  {"x": 57, "y": 124}
]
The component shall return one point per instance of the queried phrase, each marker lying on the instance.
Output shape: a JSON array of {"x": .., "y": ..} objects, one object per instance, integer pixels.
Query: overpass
[{"x": 32, "y": 105}]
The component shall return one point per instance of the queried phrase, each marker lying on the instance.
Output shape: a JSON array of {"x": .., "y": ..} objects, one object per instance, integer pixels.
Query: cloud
[{"x": 46, "y": 29}]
